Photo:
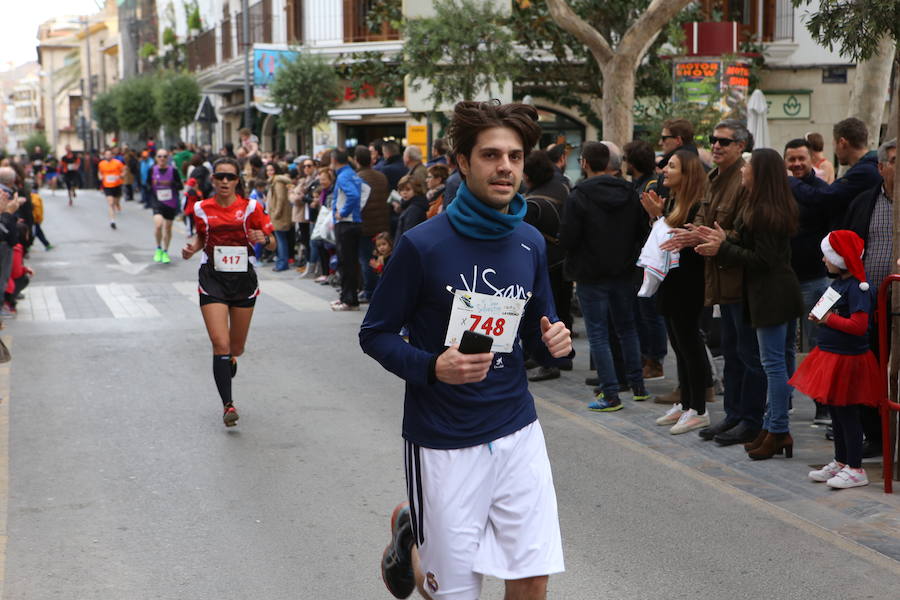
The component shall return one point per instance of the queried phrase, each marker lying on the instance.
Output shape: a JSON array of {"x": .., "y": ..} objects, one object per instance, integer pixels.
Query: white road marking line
[
  {"x": 125, "y": 302},
  {"x": 126, "y": 265},
  {"x": 293, "y": 297},
  {"x": 41, "y": 303}
]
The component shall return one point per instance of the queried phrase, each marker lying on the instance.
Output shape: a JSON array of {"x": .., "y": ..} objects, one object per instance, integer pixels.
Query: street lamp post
[{"x": 245, "y": 28}]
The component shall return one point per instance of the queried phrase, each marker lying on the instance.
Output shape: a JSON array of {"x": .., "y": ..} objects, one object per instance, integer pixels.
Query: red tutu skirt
[{"x": 840, "y": 379}]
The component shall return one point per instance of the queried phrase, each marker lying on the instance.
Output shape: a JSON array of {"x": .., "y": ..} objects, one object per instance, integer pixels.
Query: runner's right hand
[
  {"x": 456, "y": 368},
  {"x": 187, "y": 252}
]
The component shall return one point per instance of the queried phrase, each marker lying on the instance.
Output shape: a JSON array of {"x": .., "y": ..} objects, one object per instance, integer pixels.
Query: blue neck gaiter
[{"x": 473, "y": 218}]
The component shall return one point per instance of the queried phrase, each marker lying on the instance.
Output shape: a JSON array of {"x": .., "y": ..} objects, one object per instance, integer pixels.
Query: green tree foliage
[
  {"x": 148, "y": 50},
  {"x": 104, "y": 111},
  {"x": 36, "y": 139},
  {"x": 136, "y": 105},
  {"x": 305, "y": 89},
  {"x": 560, "y": 68},
  {"x": 177, "y": 96},
  {"x": 463, "y": 49},
  {"x": 855, "y": 28},
  {"x": 370, "y": 73}
]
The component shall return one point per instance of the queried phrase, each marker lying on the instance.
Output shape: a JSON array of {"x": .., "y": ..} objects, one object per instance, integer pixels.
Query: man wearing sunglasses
[{"x": 745, "y": 381}]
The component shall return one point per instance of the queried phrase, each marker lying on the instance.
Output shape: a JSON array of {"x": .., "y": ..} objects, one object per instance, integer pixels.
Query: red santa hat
[{"x": 844, "y": 249}]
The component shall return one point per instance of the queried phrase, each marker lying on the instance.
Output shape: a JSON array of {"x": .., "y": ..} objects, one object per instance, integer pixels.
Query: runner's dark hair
[
  {"x": 227, "y": 160},
  {"x": 471, "y": 118}
]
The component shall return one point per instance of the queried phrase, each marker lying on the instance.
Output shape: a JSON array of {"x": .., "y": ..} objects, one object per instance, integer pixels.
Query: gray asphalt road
[{"x": 124, "y": 484}]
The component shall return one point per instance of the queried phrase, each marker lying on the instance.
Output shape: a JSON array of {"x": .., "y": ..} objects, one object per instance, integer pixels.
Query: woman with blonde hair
[{"x": 680, "y": 295}]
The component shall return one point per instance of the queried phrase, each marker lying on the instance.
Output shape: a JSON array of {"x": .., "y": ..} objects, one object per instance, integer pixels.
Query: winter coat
[
  {"x": 376, "y": 214},
  {"x": 413, "y": 213},
  {"x": 277, "y": 203},
  {"x": 724, "y": 199},
  {"x": 603, "y": 230}
]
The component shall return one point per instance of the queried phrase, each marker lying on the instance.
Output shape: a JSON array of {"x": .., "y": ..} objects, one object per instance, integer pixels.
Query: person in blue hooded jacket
[{"x": 481, "y": 496}]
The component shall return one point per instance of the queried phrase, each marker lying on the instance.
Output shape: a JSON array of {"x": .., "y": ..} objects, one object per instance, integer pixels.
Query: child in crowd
[
  {"x": 258, "y": 193},
  {"x": 37, "y": 204},
  {"x": 414, "y": 208},
  {"x": 384, "y": 245},
  {"x": 191, "y": 197},
  {"x": 841, "y": 371},
  {"x": 19, "y": 276}
]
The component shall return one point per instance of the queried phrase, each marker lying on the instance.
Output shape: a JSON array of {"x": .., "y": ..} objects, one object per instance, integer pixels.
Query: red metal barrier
[{"x": 884, "y": 319}]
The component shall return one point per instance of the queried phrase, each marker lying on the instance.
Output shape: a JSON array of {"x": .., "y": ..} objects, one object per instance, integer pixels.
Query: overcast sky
[{"x": 19, "y": 25}]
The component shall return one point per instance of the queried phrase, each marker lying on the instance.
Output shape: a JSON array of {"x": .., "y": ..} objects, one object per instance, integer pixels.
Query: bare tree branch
[
  {"x": 566, "y": 18},
  {"x": 642, "y": 32}
]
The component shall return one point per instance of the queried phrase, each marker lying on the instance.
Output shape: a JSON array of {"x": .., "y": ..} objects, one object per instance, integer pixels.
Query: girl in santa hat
[{"x": 841, "y": 371}]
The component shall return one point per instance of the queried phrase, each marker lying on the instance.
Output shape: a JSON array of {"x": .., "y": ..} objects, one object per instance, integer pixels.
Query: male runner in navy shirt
[{"x": 481, "y": 496}]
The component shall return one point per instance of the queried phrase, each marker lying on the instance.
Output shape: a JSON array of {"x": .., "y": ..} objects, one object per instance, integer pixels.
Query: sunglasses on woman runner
[{"x": 225, "y": 176}]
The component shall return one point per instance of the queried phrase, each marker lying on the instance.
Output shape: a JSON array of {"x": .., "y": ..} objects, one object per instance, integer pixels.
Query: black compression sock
[{"x": 222, "y": 375}]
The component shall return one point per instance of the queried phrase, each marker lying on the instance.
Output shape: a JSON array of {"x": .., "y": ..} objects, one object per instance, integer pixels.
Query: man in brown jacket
[
  {"x": 376, "y": 217},
  {"x": 744, "y": 379}
]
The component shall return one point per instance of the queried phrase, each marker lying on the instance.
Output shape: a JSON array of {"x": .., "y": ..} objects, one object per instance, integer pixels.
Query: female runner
[{"x": 227, "y": 227}]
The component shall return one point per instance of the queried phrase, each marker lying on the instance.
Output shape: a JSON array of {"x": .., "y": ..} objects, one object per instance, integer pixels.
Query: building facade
[{"x": 79, "y": 58}]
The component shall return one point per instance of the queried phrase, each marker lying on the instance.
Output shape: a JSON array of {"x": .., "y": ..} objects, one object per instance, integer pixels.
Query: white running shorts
[{"x": 483, "y": 510}]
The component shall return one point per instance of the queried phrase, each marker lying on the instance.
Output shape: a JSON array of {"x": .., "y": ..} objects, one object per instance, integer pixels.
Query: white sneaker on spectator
[
  {"x": 672, "y": 415},
  {"x": 690, "y": 421},
  {"x": 848, "y": 478},
  {"x": 827, "y": 472}
]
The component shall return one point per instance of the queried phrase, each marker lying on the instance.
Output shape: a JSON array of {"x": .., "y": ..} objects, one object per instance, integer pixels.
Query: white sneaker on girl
[
  {"x": 672, "y": 415},
  {"x": 827, "y": 472},
  {"x": 848, "y": 478}
]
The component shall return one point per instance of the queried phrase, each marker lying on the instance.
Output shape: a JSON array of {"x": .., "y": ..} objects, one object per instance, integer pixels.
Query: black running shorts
[
  {"x": 234, "y": 289},
  {"x": 115, "y": 192},
  {"x": 167, "y": 212}
]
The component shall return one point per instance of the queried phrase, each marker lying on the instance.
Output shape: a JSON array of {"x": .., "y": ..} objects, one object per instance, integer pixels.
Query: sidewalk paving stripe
[
  {"x": 125, "y": 302},
  {"x": 188, "y": 289},
  {"x": 41, "y": 303},
  {"x": 293, "y": 297}
]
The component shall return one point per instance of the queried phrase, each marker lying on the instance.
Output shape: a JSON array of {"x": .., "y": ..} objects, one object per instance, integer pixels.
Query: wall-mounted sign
[
  {"x": 789, "y": 104},
  {"x": 712, "y": 80},
  {"x": 834, "y": 75},
  {"x": 417, "y": 135}
]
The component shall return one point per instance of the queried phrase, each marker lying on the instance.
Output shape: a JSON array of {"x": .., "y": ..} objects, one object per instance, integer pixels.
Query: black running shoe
[{"x": 396, "y": 562}]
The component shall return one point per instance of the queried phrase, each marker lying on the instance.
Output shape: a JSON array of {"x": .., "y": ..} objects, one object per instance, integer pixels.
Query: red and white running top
[{"x": 228, "y": 225}]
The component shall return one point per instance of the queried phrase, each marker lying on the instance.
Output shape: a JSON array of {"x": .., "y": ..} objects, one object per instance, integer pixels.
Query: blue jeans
[
  {"x": 369, "y": 276},
  {"x": 281, "y": 252},
  {"x": 771, "y": 350},
  {"x": 811, "y": 291},
  {"x": 599, "y": 302},
  {"x": 651, "y": 329},
  {"x": 744, "y": 379}
]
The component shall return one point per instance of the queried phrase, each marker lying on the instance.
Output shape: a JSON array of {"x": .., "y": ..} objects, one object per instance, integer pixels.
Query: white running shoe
[
  {"x": 848, "y": 478},
  {"x": 826, "y": 472},
  {"x": 672, "y": 415},
  {"x": 690, "y": 421}
]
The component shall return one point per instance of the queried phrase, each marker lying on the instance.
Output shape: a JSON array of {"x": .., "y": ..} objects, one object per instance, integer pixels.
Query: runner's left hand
[
  {"x": 556, "y": 337},
  {"x": 256, "y": 236}
]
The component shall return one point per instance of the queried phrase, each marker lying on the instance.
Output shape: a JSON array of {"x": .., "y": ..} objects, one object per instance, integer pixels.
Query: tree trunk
[
  {"x": 873, "y": 78},
  {"x": 618, "y": 100},
  {"x": 892, "y": 127},
  {"x": 894, "y": 368}
]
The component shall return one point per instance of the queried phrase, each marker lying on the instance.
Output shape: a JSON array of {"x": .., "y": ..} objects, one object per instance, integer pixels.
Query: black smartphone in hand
[{"x": 475, "y": 343}]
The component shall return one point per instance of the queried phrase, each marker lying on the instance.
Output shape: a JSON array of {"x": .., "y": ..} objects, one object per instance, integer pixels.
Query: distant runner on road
[
  {"x": 165, "y": 184},
  {"x": 480, "y": 489},
  {"x": 112, "y": 174},
  {"x": 70, "y": 164}
]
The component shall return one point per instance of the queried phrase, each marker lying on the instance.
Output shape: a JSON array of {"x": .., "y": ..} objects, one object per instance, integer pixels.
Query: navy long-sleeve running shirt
[{"x": 413, "y": 292}]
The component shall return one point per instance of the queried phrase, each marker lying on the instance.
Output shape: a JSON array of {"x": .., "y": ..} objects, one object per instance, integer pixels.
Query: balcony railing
[
  {"x": 784, "y": 21},
  {"x": 226, "y": 40},
  {"x": 201, "y": 51},
  {"x": 356, "y": 29},
  {"x": 260, "y": 25}
]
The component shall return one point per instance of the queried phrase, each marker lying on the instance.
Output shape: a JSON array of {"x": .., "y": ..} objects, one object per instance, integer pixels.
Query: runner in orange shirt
[{"x": 111, "y": 172}]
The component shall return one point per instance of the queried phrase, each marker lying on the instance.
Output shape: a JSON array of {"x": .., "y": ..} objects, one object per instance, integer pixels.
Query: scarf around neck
[{"x": 473, "y": 218}]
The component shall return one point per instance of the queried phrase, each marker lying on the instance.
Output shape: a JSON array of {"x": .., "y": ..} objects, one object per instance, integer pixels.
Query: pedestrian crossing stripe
[{"x": 42, "y": 303}]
